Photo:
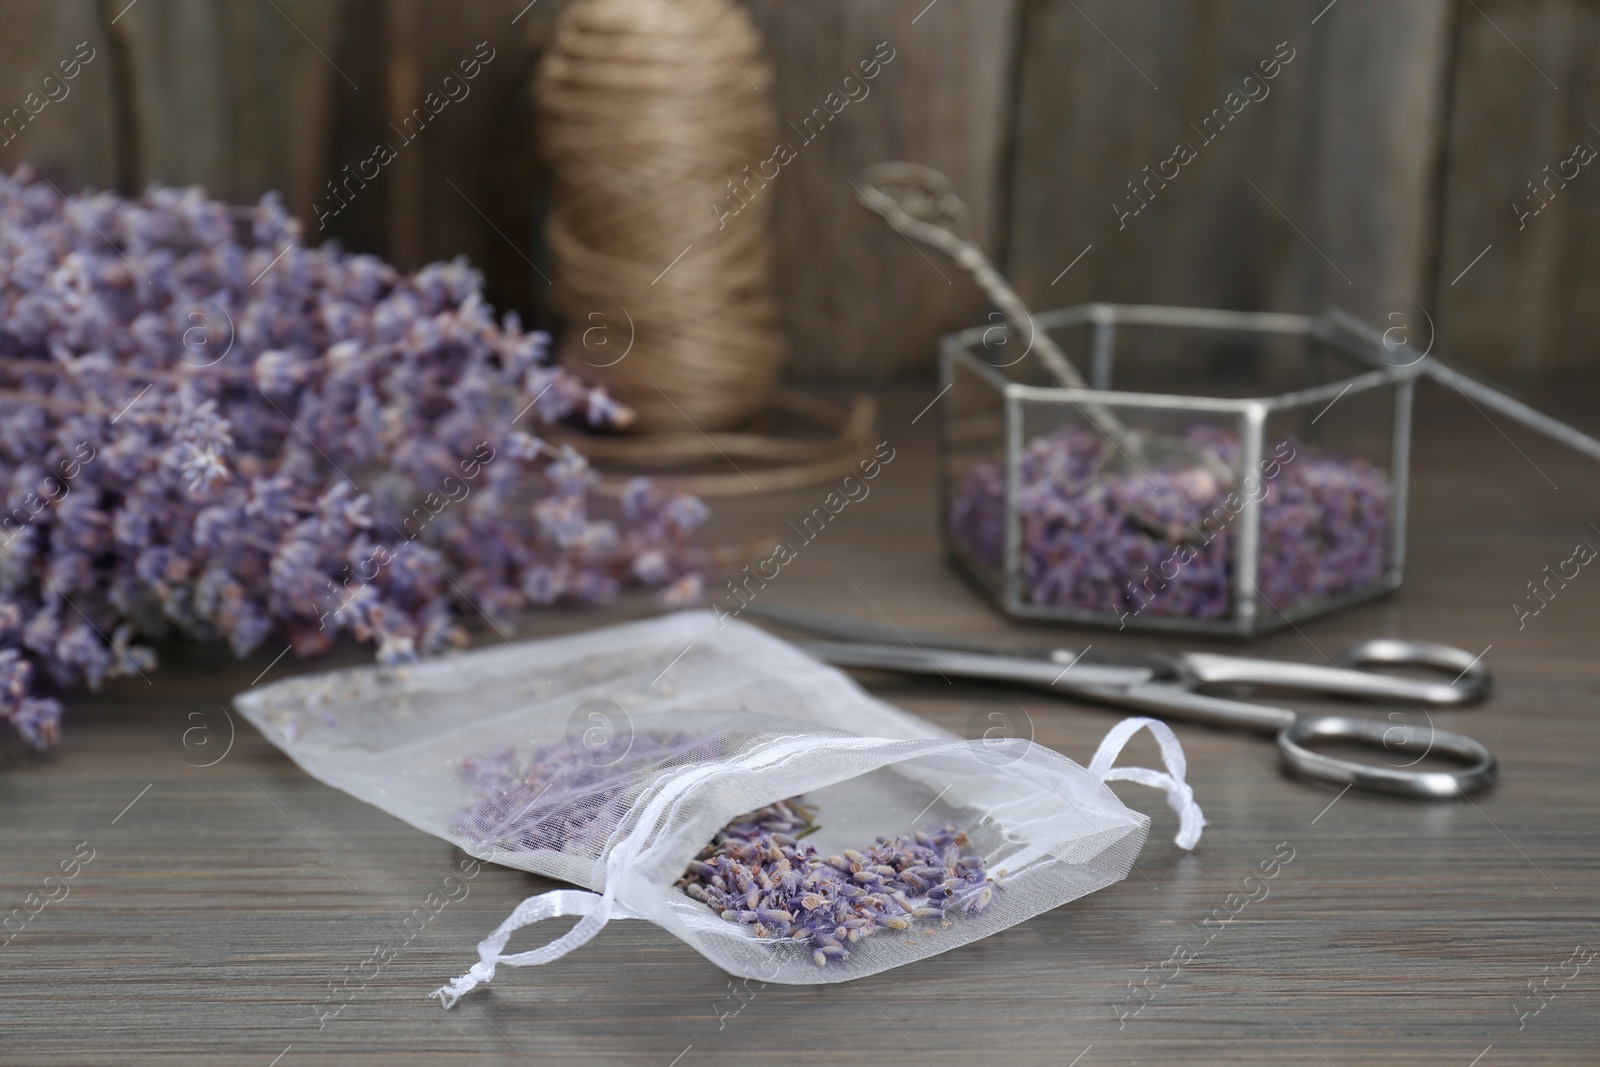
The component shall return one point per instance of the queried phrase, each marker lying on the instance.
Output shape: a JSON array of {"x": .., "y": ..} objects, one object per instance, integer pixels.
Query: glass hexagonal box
[{"x": 1279, "y": 491}]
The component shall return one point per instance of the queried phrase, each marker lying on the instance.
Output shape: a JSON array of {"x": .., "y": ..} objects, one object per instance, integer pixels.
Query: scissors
[{"x": 1171, "y": 684}]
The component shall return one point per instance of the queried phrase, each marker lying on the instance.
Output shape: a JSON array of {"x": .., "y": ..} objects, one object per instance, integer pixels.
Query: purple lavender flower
[
  {"x": 757, "y": 872},
  {"x": 553, "y": 799},
  {"x": 1324, "y": 528},
  {"x": 224, "y": 433},
  {"x": 38, "y": 721}
]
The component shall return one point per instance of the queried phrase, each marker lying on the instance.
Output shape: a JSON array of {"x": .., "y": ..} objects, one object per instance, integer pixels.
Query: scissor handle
[
  {"x": 1391, "y": 737},
  {"x": 1470, "y": 680},
  {"x": 1469, "y": 683}
]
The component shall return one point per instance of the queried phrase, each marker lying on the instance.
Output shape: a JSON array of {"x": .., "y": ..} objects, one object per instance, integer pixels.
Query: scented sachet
[{"x": 703, "y": 775}]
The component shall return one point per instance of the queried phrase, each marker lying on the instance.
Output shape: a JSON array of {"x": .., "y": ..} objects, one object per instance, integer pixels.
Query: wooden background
[{"x": 1385, "y": 160}]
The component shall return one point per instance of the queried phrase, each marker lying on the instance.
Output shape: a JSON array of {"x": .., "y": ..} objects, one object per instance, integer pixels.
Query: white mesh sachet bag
[{"x": 714, "y": 780}]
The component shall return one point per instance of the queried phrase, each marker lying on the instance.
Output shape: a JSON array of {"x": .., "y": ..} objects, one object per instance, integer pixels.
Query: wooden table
[{"x": 222, "y": 901}]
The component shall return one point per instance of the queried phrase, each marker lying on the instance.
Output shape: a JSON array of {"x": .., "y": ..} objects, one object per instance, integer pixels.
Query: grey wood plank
[
  {"x": 230, "y": 96},
  {"x": 855, "y": 301},
  {"x": 471, "y": 182},
  {"x": 464, "y": 180},
  {"x": 1285, "y": 193},
  {"x": 64, "y": 127},
  {"x": 1373, "y": 138},
  {"x": 1526, "y": 95}
]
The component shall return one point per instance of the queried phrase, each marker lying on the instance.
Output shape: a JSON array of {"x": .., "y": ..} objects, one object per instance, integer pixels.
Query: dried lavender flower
[
  {"x": 1324, "y": 527},
  {"x": 553, "y": 799},
  {"x": 757, "y": 873},
  {"x": 212, "y": 430},
  {"x": 757, "y": 870}
]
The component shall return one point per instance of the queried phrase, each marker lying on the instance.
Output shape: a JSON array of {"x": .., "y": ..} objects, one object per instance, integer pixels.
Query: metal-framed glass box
[{"x": 1312, "y": 418}]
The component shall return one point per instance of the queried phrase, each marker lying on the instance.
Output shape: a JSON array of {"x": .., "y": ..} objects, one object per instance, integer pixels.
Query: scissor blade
[
  {"x": 1171, "y": 702},
  {"x": 848, "y": 629},
  {"x": 947, "y": 663}
]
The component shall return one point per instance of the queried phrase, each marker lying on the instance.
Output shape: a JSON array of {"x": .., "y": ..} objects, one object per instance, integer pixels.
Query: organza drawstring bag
[{"x": 624, "y": 759}]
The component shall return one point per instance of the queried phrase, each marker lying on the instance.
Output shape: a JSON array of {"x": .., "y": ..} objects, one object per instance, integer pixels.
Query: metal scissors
[{"x": 1170, "y": 684}]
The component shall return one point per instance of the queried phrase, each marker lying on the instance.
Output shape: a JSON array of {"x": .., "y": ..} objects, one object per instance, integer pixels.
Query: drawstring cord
[
  {"x": 1180, "y": 797},
  {"x": 596, "y": 910}
]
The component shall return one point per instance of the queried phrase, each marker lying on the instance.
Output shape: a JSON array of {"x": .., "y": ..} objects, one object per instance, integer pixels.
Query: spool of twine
[{"x": 649, "y": 109}]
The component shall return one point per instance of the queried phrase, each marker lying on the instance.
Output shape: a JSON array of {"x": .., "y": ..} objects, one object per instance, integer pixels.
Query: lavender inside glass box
[{"x": 1311, "y": 419}]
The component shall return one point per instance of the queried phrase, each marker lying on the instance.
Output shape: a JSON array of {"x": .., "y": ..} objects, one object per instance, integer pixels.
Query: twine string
[{"x": 654, "y": 117}]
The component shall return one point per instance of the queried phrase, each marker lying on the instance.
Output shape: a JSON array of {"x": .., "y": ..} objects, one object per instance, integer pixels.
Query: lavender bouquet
[{"x": 209, "y": 429}]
